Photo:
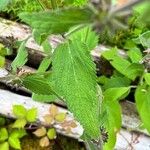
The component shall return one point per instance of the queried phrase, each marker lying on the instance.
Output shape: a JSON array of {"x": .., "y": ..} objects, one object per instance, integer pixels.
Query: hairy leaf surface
[
  {"x": 57, "y": 21},
  {"x": 74, "y": 78}
]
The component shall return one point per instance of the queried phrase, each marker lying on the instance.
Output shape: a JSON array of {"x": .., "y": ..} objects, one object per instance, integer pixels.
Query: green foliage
[
  {"x": 10, "y": 137},
  {"x": 147, "y": 78},
  {"x": 122, "y": 65},
  {"x": 145, "y": 39},
  {"x": 20, "y": 123},
  {"x": 19, "y": 111},
  {"x": 37, "y": 84},
  {"x": 4, "y": 146},
  {"x": 23, "y": 116},
  {"x": 73, "y": 76},
  {"x": 51, "y": 133},
  {"x": 3, "y": 134},
  {"x": 111, "y": 113},
  {"x": 21, "y": 58},
  {"x": 31, "y": 115},
  {"x": 142, "y": 97},
  {"x": 3, "y": 4},
  {"x": 14, "y": 142},
  {"x": 49, "y": 21}
]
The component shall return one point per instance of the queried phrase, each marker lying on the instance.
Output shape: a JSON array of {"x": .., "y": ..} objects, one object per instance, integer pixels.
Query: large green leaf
[
  {"x": 74, "y": 78},
  {"x": 57, "y": 21},
  {"x": 142, "y": 97}
]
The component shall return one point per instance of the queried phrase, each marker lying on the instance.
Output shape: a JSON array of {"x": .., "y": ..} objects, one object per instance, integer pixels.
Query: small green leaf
[
  {"x": 3, "y": 134},
  {"x": 145, "y": 39},
  {"x": 18, "y": 133},
  {"x": 31, "y": 115},
  {"x": 4, "y": 146},
  {"x": 44, "y": 65},
  {"x": 113, "y": 94},
  {"x": 130, "y": 70},
  {"x": 147, "y": 78},
  {"x": 51, "y": 133},
  {"x": 37, "y": 84},
  {"x": 142, "y": 98},
  {"x": 14, "y": 142},
  {"x": 135, "y": 55},
  {"x": 19, "y": 111},
  {"x": 21, "y": 57},
  {"x": 20, "y": 123}
]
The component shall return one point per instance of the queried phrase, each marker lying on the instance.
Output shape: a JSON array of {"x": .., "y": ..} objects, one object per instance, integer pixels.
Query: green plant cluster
[{"x": 72, "y": 78}]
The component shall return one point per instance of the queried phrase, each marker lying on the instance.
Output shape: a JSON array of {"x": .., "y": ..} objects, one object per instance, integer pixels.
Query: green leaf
[
  {"x": 19, "y": 111},
  {"x": 3, "y": 4},
  {"x": 44, "y": 65},
  {"x": 47, "y": 47},
  {"x": 133, "y": 71},
  {"x": 74, "y": 78},
  {"x": 18, "y": 133},
  {"x": 112, "y": 122},
  {"x": 4, "y": 146},
  {"x": 86, "y": 36},
  {"x": 20, "y": 123},
  {"x": 117, "y": 81},
  {"x": 21, "y": 57},
  {"x": 2, "y": 61},
  {"x": 111, "y": 113},
  {"x": 51, "y": 133},
  {"x": 145, "y": 39},
  {"x": 31, "y": 115},
  {"x": 135, "y": 55},
  {"x": 49, "y": 21},
  {"x": 3, "y": 134},
  {"x": 37, "y": 84},
  {"x": 130, "y": 70},
  {"x": 147, "y": 78},
  {"x": 113, "y": 94},
  {"x": 142, "y": 98},
  {"x": 44, "y": 98},
  {"x": 14, "y": 142}
]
